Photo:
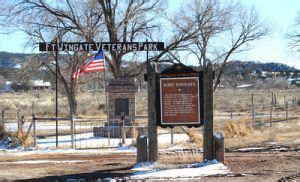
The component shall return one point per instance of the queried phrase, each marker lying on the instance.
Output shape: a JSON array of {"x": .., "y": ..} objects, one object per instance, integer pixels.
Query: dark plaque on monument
[
  {"x": 179, "y": 97},
  {"x": 121, "y": 106}
]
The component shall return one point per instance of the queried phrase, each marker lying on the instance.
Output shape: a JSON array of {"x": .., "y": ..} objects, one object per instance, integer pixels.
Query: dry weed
[
  {"x": 236, "y": 129},
  {"x": 195, "y": 136},
  {"x": 287, "y": 134},
  {"x": 2, "y": 132},
  {"x": 25, "y": 141},
  {"x": 17, "y": 138},
  {"x": 134, "y": 133}
]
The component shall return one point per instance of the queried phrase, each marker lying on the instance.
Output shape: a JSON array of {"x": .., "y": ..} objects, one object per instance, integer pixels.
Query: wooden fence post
[
  {"x": 3, "y": 120},
  {"x": 275, "y": 100},
  {"x": 142, "y": 154},
  {"x": 219, "y": 147},
  {"x": 294, "y": 104},
  {"x": 208, "y": 141},
  {"x": 172, "y": 136},
  {"x": 271, "y": 112},
  {"x": 253, "y": 110},
  {"x": 72, "y": 131},
  {"x": 286, "y": 109},
  {"x": 108, "y": 134},
  {"x": 152, "y": 128},
  {"x": 272, "y": 99},
  {"x": 18, "y": 122},
  {"x": 34, "y": 125},
  {"x": 297, "y": 101}
]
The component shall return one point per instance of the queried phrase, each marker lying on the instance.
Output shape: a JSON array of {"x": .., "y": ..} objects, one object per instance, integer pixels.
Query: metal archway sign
[
  {"x": 104, "y": 46},
  {"x": 58, "y": 46}
]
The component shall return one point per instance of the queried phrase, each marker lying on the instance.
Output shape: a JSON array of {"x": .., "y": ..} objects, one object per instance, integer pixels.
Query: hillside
[
  {"x": 9, "y": 60},
  {"x": 257, "y": 67},
  {"x": 271, "y": 66}
]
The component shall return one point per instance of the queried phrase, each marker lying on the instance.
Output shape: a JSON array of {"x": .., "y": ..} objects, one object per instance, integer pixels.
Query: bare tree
[
  {"x": 138, "y": 20},
  {"x": 294, "y": 35},
  {"x": 92, "y": 20},
  {"x": 228, "y": 30},
  {"x": 43, "y": 21},
  {"x": 127, "y": 23}
]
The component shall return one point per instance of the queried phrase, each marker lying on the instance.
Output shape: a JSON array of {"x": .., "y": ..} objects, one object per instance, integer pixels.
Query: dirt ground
[
  {"x": 244, "y": 166},
  {"x": 261, "y": 166}
]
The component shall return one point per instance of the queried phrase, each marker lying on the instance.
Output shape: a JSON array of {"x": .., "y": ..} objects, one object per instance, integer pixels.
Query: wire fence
[
  {"x": 83, "y": 133},
  {"x": 260, "y": 115}
]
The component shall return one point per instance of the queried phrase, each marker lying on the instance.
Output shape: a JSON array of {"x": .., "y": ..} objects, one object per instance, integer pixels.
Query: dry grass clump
[
  {"x": 282, "y": 133},
  {"x": 235, "y": 129},
  {"x": 15, "y": 139},
  {"x": 2, "y": 132},
  {"x": 24, "y": 140},
  {"x": 19, "y": 139},
  {"x": 134, "y": 133},
  {"x": 195, "y": 136}
]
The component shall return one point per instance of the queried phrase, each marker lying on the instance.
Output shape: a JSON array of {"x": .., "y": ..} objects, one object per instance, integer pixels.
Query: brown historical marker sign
[{"x": 179, "y": 101}]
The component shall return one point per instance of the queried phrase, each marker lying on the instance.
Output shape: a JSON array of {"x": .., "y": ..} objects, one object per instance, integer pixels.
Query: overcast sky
[{"x": 279, "y": 13}]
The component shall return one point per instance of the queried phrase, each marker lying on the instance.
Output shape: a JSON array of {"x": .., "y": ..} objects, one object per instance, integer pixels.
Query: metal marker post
[{"x": 106, "y": 105}]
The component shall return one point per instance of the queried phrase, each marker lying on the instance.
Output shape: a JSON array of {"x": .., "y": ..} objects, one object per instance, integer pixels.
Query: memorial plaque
[
  {"x": 179, "y": 101},
  {"x": 121, "y": 106}
]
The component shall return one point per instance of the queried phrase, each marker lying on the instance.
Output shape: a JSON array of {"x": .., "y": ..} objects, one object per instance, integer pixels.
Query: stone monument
[
  {"x": 121, "y": 108},
  {"x": 121, "y": 99}
]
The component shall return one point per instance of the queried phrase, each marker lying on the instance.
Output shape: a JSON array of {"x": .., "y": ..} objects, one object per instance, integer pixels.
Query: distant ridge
[
  {"x": 258, "y": 66},
  {"x": 9, "y": 60}
]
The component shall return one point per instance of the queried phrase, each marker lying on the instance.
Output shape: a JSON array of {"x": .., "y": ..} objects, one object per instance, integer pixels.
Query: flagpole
[
  {"x": 56, "y": 98},
  {"x": 106, "y": 97}
]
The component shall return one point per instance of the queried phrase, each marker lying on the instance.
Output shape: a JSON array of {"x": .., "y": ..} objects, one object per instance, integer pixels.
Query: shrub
[
  {"x": 24, "y": 140},
  {"x": 195, "y": 136},
  {"x": 134, "y": 133},
  {"x": 2, "y": 132},
  {"x": 235, "y": 129},
  {"x": 15, "y": 139}
]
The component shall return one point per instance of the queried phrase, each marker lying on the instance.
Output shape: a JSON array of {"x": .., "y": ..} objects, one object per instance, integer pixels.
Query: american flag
[{"x": 94, "y": 64}]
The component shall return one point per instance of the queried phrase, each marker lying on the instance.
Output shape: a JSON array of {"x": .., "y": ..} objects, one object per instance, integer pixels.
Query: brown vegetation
[
  {"x": 195, "y": 137},
  {"x": 234, "y": 129},
  {"x": 17, "y": 137}
]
